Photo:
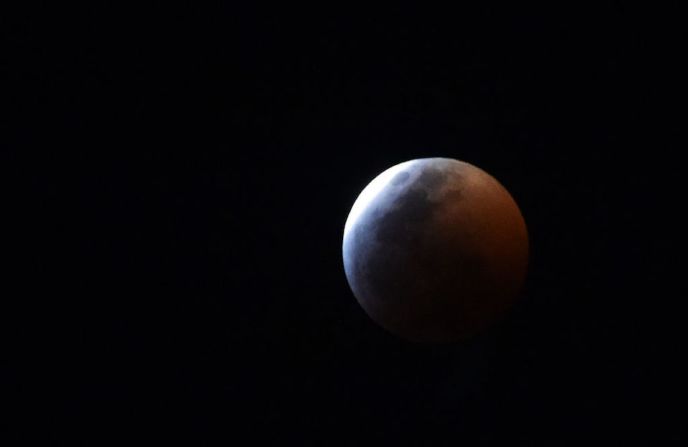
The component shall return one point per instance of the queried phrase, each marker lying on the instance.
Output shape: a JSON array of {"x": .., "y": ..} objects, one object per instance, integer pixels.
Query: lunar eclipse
[{"x": 435, "y": 250}]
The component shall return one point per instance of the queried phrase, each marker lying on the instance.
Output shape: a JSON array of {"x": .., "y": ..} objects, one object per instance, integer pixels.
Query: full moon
[{"x": 435, "y": 250}]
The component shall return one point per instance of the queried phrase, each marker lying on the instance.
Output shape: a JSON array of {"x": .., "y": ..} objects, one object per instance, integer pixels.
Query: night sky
[{"x": 179, "y": 182}]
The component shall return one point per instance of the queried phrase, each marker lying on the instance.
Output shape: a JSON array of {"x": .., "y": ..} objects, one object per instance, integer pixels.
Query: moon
[{"x": 435, "y": 250}]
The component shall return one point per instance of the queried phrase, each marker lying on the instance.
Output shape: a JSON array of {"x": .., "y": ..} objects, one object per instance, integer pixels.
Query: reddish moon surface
[{"x": 435, "y": 250}]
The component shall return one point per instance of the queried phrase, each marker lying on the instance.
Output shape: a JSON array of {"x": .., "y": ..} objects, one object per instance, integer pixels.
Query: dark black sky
[{"x": 180, "y": 178}]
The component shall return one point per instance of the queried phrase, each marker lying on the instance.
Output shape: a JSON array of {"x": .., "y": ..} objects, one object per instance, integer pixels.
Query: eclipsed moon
[{"x": 435, "y": 249}]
